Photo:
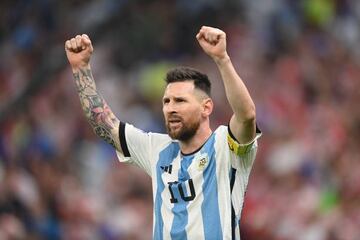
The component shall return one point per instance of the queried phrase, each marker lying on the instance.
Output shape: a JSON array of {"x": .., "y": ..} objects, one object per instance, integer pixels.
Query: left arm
[{"x": 242, "y": 123}]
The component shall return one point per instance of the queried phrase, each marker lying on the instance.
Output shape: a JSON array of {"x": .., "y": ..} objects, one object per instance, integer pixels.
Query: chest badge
[{"x": 203, "y": 161}]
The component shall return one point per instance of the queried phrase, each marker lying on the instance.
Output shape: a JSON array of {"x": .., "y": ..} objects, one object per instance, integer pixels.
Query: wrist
[
  {"x": 78, "y": 67},
  {"x": 222, "y": 60}
]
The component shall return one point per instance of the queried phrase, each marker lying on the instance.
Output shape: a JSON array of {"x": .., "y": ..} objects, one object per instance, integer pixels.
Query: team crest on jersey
[{"x": 203, "y": 161}]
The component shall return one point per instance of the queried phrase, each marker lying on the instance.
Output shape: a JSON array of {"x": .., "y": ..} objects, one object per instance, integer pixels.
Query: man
[{"x": 199, "y": 177}]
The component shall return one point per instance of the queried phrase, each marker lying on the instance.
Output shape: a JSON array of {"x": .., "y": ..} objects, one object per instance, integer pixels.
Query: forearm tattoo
[{"x": 98, "y": 113}]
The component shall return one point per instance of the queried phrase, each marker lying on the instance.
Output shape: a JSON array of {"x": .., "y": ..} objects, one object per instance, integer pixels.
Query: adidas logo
[{"x": 167, "y": 169}]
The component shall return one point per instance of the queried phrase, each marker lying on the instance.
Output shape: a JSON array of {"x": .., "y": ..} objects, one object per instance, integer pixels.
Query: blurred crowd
[{"x": 299, "y": 58}]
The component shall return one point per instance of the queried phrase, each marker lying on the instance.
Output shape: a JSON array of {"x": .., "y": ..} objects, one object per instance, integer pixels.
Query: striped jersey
[{"x": 196, "y": 196}]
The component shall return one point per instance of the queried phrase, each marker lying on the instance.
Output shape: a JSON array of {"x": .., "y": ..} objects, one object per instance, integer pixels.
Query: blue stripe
[
  {"x": 210, "y": 205},
  {"x": 178, "y": 231},
  {"x": 166, "y": 157}
]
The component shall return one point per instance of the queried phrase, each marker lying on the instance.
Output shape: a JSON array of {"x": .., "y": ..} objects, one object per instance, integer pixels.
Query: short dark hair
[{"x": 181, "y": 74}]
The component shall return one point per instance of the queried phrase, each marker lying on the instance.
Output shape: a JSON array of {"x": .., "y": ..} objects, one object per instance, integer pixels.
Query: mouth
[{"x": 174, "y": 122}]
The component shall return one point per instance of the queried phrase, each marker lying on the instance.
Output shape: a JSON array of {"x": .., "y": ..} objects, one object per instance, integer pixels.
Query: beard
[{"x": 185, "y": 132}]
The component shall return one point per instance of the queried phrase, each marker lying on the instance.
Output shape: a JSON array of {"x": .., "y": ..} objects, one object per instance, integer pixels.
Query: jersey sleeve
[
  {"x": 242, "y": 157},
  {"x": 136, "y": 147},
  {"x": 243, "y": 154}
]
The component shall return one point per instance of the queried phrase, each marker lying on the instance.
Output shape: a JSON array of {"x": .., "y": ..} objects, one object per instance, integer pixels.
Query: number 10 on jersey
[{"x": 181, "y": 188}]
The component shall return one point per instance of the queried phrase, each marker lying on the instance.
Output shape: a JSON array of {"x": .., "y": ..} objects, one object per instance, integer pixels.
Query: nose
[{"x": 169, "y": 108}]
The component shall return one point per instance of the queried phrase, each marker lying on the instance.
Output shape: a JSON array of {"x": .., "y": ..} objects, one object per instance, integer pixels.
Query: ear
[{"x": 207, "y": 107}]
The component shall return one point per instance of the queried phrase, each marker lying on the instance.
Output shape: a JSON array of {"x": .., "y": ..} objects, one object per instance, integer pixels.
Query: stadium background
[{"x": 299, "y": 59}]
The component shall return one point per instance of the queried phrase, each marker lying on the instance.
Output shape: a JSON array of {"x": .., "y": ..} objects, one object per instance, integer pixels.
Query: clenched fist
[
  {"x": 78, "y": 51},
  {"x": 213, "y": 42}
]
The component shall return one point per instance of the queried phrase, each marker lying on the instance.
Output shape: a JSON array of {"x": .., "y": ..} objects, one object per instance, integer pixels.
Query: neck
[{"x": 194, "y": 143}]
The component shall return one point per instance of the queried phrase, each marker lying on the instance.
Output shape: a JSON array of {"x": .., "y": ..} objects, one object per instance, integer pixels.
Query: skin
[
  {"x": 181, "y": 100},
  {"x": 187, "y": 107},
  {"x": 243, "y": 121},
  {"x": 104, "y": 123}
]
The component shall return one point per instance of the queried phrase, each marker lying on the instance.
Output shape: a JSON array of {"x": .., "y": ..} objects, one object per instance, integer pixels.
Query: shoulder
[
  {"x": 221, "y": 132},
  {"x": 154, "y": 139},
  {"x": 221, "y": 129},
  {"x": 160, "y": 139}
]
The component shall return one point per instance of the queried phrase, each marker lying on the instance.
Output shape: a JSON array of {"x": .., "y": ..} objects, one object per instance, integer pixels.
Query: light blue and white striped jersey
[{"x": 196, "y": 196}]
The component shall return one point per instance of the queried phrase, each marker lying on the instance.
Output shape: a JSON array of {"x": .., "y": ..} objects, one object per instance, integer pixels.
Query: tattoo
[
  {"x": 98, "y": 113},
  {"x": 105, "y": 134}
]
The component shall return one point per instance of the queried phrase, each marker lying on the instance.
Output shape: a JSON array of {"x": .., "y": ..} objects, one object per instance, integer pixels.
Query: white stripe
[
  {"x": 195, "y": 227},
  {"x": 223, "y": 182},
  {"x": 238, "y": 193},
  {"x": 154, "y": 185},
  {"x": 154, "y": 189},
  {"x": 237, "y": 232},
  {"x": 167, "y": 206},
  {"x": 243, "y": 170}
]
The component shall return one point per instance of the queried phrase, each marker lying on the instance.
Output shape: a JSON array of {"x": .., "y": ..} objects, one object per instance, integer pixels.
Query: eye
[
  {"x": 179, "y": 100},
  {"x": 166, "y": 100}
]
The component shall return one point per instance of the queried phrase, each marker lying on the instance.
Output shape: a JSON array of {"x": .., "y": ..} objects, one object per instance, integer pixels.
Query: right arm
[{"x": 103, "y": 121}]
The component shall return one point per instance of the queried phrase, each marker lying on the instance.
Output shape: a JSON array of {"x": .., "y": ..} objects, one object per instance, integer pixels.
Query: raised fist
[
  {"x": 213, "y": 42},
  {"x": 78, "y": 51}
]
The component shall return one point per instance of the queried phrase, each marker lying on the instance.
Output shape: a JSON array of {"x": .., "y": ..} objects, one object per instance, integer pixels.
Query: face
[{"x": 183, "y": 110}]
